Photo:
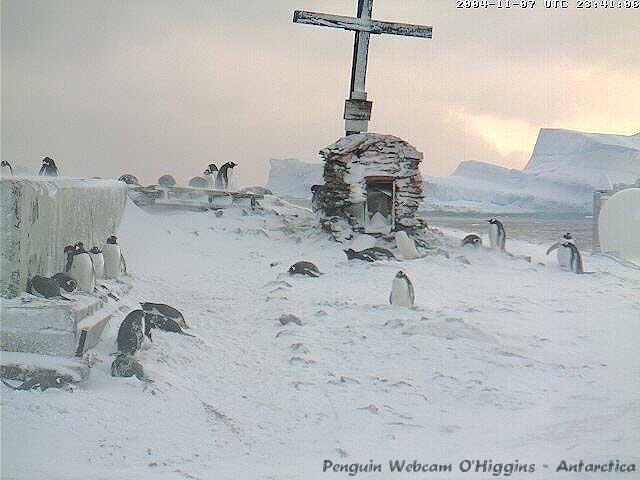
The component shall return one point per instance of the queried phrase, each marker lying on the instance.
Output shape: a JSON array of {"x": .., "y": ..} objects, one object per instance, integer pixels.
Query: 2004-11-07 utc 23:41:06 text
[{"x": 549, "y": 4}]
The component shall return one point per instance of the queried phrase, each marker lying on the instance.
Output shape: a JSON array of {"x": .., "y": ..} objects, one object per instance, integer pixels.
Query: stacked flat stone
[{"x": 352, "y": 159}]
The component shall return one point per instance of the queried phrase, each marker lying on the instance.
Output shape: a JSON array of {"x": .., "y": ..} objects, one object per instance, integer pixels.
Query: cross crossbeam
[{"x": 357, "y": 110}]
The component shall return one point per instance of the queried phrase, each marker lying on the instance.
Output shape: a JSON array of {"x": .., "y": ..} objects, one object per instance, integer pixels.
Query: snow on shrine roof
[{"x": 371, "y": 142}]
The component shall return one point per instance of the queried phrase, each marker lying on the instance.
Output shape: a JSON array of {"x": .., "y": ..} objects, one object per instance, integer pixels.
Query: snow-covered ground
[{"x": 500, "y": 359}]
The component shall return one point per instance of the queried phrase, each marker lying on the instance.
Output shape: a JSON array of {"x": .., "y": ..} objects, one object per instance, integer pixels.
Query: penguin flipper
[
  {"x": 42, "y": 170},
  {"x": 553, "y": 247},
  {"x": 123, "y": 263}
]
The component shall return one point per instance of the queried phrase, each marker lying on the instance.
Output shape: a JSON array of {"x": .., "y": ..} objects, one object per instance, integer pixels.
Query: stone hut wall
[{"x": 352, "y": 159}]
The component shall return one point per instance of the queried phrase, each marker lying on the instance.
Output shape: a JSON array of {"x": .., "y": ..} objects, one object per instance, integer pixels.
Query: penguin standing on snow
[
  {"x": 211, "y": 174},
  {"x": 48, "y": 168},
  {"x": 564, "y": 253},
  {"x": 132, "y": 331},
  {"x": 575, "y": 259},
  {"x": 5, "y": 169},
  {"x": 497, "y": 234},
  {"x": 402, "y": 293},
  {"x": 98, "y": 261},
  {"x": 114, "y": 263},
  {"x": 164, "y": 311},
  {"x": 80, "y": 267},
  {"x": 222, "y": 180},
  {"x": 45, "y": 288}
]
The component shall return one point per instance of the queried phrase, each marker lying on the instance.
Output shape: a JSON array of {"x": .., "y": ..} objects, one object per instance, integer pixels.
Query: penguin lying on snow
[
  {"x": 564, "y": 253},
  {"x": 497, "y": 234},
  {"x": 472, "y": 240},
  {"x": 166, "y": 324},
  {"x": 164, "y": 311},
  {"x": 129, "y": 179},
  {"x": 66, "y": 282},
  {"x": 44, "y": 287},
  {"x": 48, "y": 168},
  {"x": 369, "y": 254},
  {"x": 304, "y": 268},
  {"x": 132, "y": 331},
  {"x": 126, "y": 366},
  {"x": 402, "y": 293}
]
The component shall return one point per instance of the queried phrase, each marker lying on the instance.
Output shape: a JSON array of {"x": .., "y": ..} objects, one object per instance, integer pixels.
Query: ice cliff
[{"x": 563, "y": 170}]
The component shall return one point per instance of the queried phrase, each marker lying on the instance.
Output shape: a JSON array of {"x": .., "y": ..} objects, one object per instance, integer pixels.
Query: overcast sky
[{"x": 152, "y": 87}]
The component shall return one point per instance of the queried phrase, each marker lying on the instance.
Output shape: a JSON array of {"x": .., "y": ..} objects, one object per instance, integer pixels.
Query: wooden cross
[{"x": 357, "y": 110}]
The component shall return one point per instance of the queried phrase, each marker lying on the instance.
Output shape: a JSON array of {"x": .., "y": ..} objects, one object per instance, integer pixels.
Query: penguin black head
[
  {"x": 567, "y": 236},
  {"x": 350, "y": 253},
  {"x": 493, "y": 221},
  {"x": 80, "y": 247},
  {"x": 401, "y": 275},
  {"x": 69, "y": 249},
  {"x": 95, "y": 250},
  {"x": 4, "y": 163},
  {"x": 48, "y": 161},
  {"x": 112, "y": 240}
]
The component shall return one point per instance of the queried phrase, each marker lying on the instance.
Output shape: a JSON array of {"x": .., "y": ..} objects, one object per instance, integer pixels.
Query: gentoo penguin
[
  {"x": 369, "y": 254},
  {"x": 126, "y": 366},
  {"x": 406, "y": 246},
  {"x": 129, "y": 179},
  {"x": 575, "y": 259},
  {"x": 44, "y": 287},
  {"x": 114, "y": 263},
  {"x": 98, "y": 261},
  {"x": 472, "y": 240},
  {"x": 164, "y": 311},
  {"x": 402, "y": 293},
  {"x": 222, "y": 180},
  {"x": 563, "y": 253},
  {"x": 66, "y": 282},
  {"x": 80, "y": 267},
  {"x": 48, "y": 168},
  {"x": 166, "y": 181},
  {"x": 132, "y": 331},
  {"x": 304, "y": 268},
  {"x": 497, "y": 234},
  {"x": 5, "y": 168},
  {"x": 166, "y": 324},
  {"x": 211, "y": 174}
]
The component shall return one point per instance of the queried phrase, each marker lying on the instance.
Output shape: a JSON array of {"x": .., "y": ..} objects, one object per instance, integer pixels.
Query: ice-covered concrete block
[
  {"x": 22, "y": 366},
  {"x": 40, "y": 215}
]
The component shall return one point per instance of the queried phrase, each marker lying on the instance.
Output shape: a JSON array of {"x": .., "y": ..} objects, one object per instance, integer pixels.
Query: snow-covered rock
[{"x": 293, "y": 178}]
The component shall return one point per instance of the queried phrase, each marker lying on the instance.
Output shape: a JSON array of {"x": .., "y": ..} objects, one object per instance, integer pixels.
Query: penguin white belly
[
  {"x": 400, "y": 294},
  {"x": 564, "y": 256},
  {"x": 5, "y": 171},
  {"x": 493, "y": 237},
  {"x": 406, "y": 246},
  {"x": 98, "y": 264},
  {"x": 111, "y": 255},
  {"x": 82, "y": 271}
]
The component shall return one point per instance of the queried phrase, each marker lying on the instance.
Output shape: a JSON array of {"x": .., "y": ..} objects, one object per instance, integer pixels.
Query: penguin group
[
  {"x": 47, "y": 169},
  {"x": 82, "y": 270},
  {"x": 219, "y": 177},
  {"x": 138, "y": 325}
]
